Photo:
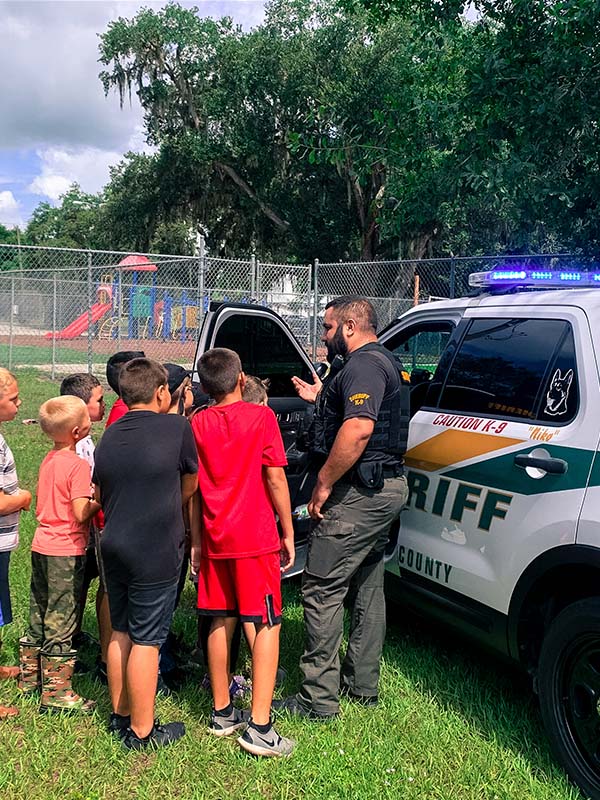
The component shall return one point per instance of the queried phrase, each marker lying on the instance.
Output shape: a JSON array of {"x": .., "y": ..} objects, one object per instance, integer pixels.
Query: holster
[{"x": 368, "y": 474}]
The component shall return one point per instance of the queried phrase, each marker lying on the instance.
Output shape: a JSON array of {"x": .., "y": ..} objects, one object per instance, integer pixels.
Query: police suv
[{"x": 501, "y": 536}]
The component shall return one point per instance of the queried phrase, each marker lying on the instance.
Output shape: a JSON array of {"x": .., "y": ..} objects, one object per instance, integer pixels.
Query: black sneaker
[
  {"x": 367, "y": 700},
  {"x": 162, "y": 689},
  {"x": 268, "y": 744},
  {"x": 291, "y": 705},
  {"x": 84, "y": 639},
  {"x": 118, "y": 724},
  {"x": 226, "y": 725},
  {"x": 159, "y": 736},
  {"x": 281, "y": 677},
  {"x": 100, "y": 673}
]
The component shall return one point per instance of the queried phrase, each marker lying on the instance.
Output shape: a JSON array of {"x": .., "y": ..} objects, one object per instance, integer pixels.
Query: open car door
[{"x": 268, "y": 349}]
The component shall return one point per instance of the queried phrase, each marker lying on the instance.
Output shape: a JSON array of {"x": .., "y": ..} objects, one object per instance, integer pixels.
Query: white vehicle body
[{"x": 501, "y": 534}]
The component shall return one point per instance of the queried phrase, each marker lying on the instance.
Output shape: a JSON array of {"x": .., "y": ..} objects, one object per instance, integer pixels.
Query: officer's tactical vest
[{"x": 390, "y": 434}]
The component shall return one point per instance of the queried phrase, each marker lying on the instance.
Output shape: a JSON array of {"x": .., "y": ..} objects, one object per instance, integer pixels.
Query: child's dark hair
[
  {"x": 80, "y": 384},
  {"x": 256, "y": 390},
  {"x": 139, "y": 379},
  {"x": 219, "y": 370},
  {"x": 116, "y": 362}
]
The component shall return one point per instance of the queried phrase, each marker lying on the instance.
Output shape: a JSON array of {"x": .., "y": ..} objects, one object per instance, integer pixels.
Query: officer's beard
[{"x": 337, "y": 346}]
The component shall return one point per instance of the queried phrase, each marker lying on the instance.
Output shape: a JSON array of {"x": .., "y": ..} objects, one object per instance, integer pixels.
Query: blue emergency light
[{"x": 505, "y": 278}]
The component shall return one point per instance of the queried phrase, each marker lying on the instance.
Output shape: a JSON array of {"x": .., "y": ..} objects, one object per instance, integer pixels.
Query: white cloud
[
  {"x": 56, "y": 125},
  {"x": 60, "y": 167},
  {"x": 10, "y": 210},
  {"x": 49, "y": 85}
]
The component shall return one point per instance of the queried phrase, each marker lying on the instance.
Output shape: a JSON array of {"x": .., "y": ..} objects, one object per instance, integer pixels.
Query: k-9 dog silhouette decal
[{"x": 558, "y": 393}]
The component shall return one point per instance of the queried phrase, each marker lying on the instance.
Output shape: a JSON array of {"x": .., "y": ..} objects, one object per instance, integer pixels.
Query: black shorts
[
  {"x": 143, "y": 611},
  {"x": 94, "y": 567}
]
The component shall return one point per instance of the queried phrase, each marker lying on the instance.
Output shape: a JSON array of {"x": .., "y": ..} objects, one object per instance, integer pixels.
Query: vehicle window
[
  {"x": 502, "y": 365},
  {"x": 560, "y": 395},
  {"x": 420, "y": 348},
  {"x": 265, "y": 349}
]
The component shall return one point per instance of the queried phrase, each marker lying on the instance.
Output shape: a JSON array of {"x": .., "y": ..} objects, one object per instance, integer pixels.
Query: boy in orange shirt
[{"x": 63, "y": 511}]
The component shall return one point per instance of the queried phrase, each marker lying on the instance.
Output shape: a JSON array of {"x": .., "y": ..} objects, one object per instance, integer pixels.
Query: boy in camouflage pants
[{"x": 63, "y": 511}]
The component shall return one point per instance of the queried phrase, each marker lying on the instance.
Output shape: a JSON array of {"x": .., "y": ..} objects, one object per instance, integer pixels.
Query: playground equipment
[
  {"x": 130, "y": 304},
  {"x": 136, "y": 309},
  {"x": 80, "y": 325},
  {"x": 141, "y": 299}
]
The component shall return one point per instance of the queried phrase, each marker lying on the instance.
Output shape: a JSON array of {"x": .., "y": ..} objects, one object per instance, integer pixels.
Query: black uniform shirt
[{"x": 358, "y": 390}]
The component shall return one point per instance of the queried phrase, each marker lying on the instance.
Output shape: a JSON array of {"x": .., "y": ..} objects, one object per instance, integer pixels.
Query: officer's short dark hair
[
  {"x": 219, "y": 370},
  {"x": 114, "y": 364},
  {"x": 357, "y": 308},
  {"x": 80, "y": 384},
  {"x": 139, "y": 379}
]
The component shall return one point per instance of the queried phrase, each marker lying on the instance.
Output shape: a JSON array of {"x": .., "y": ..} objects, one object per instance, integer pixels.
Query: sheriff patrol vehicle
[{"x": 501, "y": 536}]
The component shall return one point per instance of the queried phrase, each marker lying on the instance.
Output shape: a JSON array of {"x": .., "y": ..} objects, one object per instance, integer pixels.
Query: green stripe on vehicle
[{"x": 502, "y": 473}]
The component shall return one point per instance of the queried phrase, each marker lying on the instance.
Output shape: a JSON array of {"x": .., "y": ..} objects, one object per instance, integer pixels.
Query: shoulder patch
[{"x": 359, "y": 398}]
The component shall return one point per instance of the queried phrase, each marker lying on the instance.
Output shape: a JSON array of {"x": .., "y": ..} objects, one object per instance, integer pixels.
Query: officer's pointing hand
[{"x": 307, "y": 391}]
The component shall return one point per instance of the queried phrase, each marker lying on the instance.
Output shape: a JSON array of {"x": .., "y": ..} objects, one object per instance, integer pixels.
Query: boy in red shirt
[
  {"x": 63, "y": 511},
  {"x": 113, "y": 368},
  {"x": 240, "y": 556}
]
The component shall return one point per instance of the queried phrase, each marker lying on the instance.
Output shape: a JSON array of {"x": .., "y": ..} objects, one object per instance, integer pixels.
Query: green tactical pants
[
  {"x": 54, "y": 606},
  {"x": 345, "y": 559}
]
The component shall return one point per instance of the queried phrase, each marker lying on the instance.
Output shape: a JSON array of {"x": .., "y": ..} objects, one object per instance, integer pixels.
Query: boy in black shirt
[{"x": 146, "y": 469}]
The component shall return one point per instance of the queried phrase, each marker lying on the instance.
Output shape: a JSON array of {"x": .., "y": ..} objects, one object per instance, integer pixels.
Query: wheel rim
[{"x": 579, "y": 688}]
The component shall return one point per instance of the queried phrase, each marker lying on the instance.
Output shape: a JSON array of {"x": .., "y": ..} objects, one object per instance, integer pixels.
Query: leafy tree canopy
[{"x": 352, "y": 128}]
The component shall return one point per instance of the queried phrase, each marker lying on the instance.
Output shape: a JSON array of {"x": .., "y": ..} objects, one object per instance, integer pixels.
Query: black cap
[
  {"x": 114, "y": 364},
  {"x": 200, "y": 396},
  {"x": 176, "y": 374}
]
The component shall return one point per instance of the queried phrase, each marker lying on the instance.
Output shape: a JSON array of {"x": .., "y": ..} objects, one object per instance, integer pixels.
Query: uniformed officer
[{"x": 357, "y": 442}]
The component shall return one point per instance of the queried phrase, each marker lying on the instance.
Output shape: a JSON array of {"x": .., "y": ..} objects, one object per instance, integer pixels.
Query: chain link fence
[{"x": 65, "y": 311}]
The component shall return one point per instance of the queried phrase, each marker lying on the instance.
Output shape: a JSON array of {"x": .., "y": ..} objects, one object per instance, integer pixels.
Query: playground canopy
[{"x": 137, "y": 263}]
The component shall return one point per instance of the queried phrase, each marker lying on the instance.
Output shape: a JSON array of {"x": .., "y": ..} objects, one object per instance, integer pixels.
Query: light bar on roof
[{"x": 507, "y": 278}]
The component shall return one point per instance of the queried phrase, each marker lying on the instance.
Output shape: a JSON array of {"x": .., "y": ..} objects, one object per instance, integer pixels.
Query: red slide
[{"x": 79, "y": 325}]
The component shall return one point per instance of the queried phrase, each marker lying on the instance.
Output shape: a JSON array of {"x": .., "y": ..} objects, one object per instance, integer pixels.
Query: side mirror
[
  {"x": 420, "y": 375},
  {"x": 321, "y": 368}
]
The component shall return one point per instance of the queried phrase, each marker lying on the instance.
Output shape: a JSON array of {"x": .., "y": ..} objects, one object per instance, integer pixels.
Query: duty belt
[
  {"x": 387, "y": 471},
  {"x": 393, "y": 472}
]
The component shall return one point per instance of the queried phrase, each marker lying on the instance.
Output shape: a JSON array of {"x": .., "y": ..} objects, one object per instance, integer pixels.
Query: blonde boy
[{"x": 63, "y": 511}]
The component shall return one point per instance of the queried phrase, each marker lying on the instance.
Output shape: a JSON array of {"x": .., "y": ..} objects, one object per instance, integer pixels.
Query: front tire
[{"x": 569, "y": 692}]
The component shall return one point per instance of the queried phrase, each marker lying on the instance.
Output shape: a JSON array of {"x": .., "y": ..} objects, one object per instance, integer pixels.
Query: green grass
[
  {"x": 452, "y": 724},
  {"x": 26, "y": 354}
]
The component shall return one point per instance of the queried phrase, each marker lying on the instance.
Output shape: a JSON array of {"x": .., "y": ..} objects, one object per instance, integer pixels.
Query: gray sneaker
[
  {"x": 265, "y": 744},
  {"x": 225, "y": 726}
]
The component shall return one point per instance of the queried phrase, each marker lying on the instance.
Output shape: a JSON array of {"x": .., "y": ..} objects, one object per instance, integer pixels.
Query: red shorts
[{"x": 246, "y": 587}]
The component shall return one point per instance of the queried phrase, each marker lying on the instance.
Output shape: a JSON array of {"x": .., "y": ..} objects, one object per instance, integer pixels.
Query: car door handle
[{"x": 554, "y": 466}]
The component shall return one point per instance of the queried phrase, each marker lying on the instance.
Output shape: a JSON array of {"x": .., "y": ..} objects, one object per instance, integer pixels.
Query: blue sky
[{"x": 56, "y": 126}]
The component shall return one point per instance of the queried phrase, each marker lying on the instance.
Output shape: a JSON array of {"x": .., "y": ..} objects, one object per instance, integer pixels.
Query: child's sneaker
[
  {"x": 239, "y": 688},
  {"x": 265, "y": 744},
  {"x": 281, "y": 677},
  {"x": 221, "y": 725},
  {"x": 118, "y": 724},
  {"x": 205, "y": 684},
  {"x": 159, "y": 736}
]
